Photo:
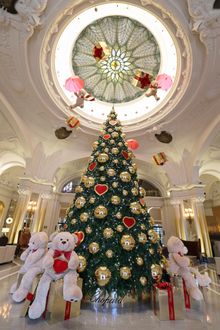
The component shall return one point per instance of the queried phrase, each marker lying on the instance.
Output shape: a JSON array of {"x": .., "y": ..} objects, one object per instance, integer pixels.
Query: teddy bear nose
[{"x": 63, "y": 242}]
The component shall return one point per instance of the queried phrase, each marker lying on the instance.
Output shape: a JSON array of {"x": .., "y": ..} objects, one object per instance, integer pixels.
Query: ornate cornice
[{"x": 205, "y": 21}]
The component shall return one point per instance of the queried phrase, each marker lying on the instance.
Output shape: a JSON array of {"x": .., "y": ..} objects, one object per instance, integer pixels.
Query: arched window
[
  {"x": 151, "y": 190},
  {"x": 69, "y": 187}
]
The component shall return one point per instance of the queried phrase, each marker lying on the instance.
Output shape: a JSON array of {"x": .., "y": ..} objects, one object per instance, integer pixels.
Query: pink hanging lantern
[
  {"x": 74, "y": 84},
  {"x": 164, "y": 81},
  {"x": 132, "y": 144}
]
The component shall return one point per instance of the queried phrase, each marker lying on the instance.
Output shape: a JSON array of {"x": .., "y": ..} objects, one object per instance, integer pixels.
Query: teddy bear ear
[
  {"x": 53, "y": 235},
  {"x": 75, "y": 238}
]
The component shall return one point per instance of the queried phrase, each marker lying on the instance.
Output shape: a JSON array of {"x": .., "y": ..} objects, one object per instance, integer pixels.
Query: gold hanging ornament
[
  {"x": 84, "y": 216},
  {"x": 125, "y": 192},
  {"x": 139, "y": 261},
  {"x": 156, "y": 272},
  {"x": 89, "y": 182},
  {"x": 73, "y": 221},
  {"x": 112, "y": 141},
  {"x": 143, "y": 227},
  {"x": 100, "y": 212},
  {"x": 95, "y": 145},
  {"x": 142, "y": 191},
  {"x": 143, "y": 280},
  {"x": 134, "y": 191},
  {"x": 115, "y": 200},
  {"x": 88, "y": 230},
  {"x": 102, "y": 178},
  {"x": 108, "y": 232},
  {"x": 101, "y": 168},
  {"x": 120, "y": 144},
  {"x": 125, "y": 176},
  {"x": 115, "y": 135},
  {"x": 151, "y": 221},
  {"x": 124, "y": 162},
  {"x": 110, "y": 130},
  {"x": 118, "y": 215},
  {"x": 115, "y": 184},
  {"x": 131, "y": 169},
  {"x": 106, "y": 150},
  {"x": 109, "y": 253},
  {"x": 103, "y": 158},
  {"x": 80, "y": 202},
  {"x": 153, "y": 236},
  {"x": 82, "y": 263},
  {"x": 127, "y": 242},
  {"x": 78, "y": 189},
  {"x": 92, "y": 200},
  {"x": 115, "y": 151},
  {"x": 151, "y": 251},
  {"x": 93, "y": 247},
  {"x": 142, "y": 238},
  {"x": 135, "y": 208},
  {"x": 103, "y": 276},
  {"x": 119, "y": 228},
  {"x": 125, "y": 273},
  {"x": 115, "y": 161},
  {"x": 111, "y": 172},
  {"x": 103, "y": 144},
  {"x": 84, "y": 178}
]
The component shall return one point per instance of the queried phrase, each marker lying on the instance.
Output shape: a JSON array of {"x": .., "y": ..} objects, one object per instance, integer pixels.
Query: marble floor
[{"x": 94, "y": 317}]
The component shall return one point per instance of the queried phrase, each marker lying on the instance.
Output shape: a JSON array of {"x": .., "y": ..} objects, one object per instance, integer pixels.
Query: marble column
[{"x": 179, "y": 218}]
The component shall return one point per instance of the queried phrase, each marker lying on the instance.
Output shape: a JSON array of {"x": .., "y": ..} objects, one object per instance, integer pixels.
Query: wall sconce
[
  {"x": 189, "y": 215},
  {"x": 31, "y": 208}
]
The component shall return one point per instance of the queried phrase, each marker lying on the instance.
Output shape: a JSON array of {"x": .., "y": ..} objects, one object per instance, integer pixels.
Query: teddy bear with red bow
[{"x": 61, "y": 261}]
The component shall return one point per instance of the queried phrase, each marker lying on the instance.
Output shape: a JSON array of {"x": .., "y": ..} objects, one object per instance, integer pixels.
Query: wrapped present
[
  {"x": 160, "y": 158},
  {"x": 73, "y": 122},
  {"x": 30, "y": 297},
  {"x": 141, "y": 79},
  {"x": 101, "y": 51},
  {"x": 57, "y": 309},
  {"x": 167, "y": 302}
]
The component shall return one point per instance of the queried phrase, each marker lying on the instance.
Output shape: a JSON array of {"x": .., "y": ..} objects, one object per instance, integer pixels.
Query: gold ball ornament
[
  {"x": 82, "y": 264},
  {"x": 110, "y": 130},
  {"x": 115, "y": 161},
  {"x": 91, "y": 158},
  {"x": 131, "y": 169},
  {"x": 127, "y": 242},
  {"x": 125, "y": 177},
  {"x": 111, "y": 172},
  {"x": 153, "y": 236},
  {"x": 151, "y": 251},
  {"x": 159, "y": 250},
  {"x": 142, "y": 238},
  {"x": 115, "y": 135},
  {"x": 103, "y": 276},
  {"x": 103, "y": 158},
  {"x": 118, "y": 215},
  {"x": 115, "y": 184},
  {"x": 143, "y": 211},
  {"x": 84, "y": 178},
  {"x": 73, "y": 221},
  {"x": 143, "y": 227},
  {"x": 102, "y": 178},
  {"x": 92, "y": 200},
  {"x": 95, "y": 145},
  {"x": 136, "y": 183},
  {"x": 89, "y": 182},
  {"x": 125, "y": 273},
  {"x": 123, "y": 135},
  {"x": 142, "y": 191},
  {"x": 106, "y": 150},
  {"x": 124, "y": 162},
  {"x": 100, "y": 212},
  {"x": 103, "y": 144},
  {"x": 115, "y": 151},
  {"x": 119, "y": 228},
  {"x": 143, "y": 280},
  {"x": 139, "y": 261},
  {"x": 120, "y": 144},
  {"x": 115, "y": 200},
  {"x": 134, "y": 191},
  {"x": 135, "y": 208},
  {"x": 97, "y": 153},
  {"x": 109, "y": 253},
  {"x": 88, "y": 230},
  {"x": 93, "y": 247},
  {"x": 156, "y": 272},
  {"x": 125, "y": 192},
  {"x": 151, "y": 222},
  {"x": 101, "y": 168},
  {"x": 108, "y": 232},
  {"x": 78, "y": 189},
  {"x": 80, "y": 202},
  {"x": 84, "y": 216},
  {"x": 112, "y": 141}
]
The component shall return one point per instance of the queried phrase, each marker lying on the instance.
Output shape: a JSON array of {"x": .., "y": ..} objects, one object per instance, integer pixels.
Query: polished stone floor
[{"x": 94, "y": 317}]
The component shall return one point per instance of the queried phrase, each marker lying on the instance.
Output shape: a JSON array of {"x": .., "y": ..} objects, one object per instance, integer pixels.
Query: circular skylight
[{"x": 134, "y": 42}]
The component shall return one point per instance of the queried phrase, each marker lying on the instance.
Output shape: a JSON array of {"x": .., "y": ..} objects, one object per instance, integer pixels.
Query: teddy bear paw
[
  {"x": 35, "y": 310},
  {"x": 19, "y": 295},
  {"x": 13, "y": 288},
  {"x": 75, "y": 295}
]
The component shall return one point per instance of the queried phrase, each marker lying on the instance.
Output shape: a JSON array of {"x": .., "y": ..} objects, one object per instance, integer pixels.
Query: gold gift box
[
  {"x": 141, "y": 79},
  {"x": 57, "y": 308},
  {"x": 30, "y": 296}
]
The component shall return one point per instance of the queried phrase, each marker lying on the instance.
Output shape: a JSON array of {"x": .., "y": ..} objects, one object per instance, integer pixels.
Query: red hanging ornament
[
  {"x": 101, "y": 189},
  {"x": 74, "y": 84},
  {"x": 132, "y": 144},
  {"x": 129, "y": 222}
]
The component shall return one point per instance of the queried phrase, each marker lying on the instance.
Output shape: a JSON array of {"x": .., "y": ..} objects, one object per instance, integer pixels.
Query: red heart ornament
[
  {"x": 101, "y": 189},
  {"x": 106, "y": 136},
  {"x": 92, "y": 166},
  {"x": 125, "y": 154},
  {"x": 113, "y": 122},
  {"x": 80, "y": 235},
  {"x": 60, "y": 266},
  {"x": 129, "y": 222}
]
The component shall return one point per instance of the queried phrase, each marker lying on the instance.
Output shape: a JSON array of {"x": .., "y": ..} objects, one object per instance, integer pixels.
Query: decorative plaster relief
[{"x": 205, "y": 21}]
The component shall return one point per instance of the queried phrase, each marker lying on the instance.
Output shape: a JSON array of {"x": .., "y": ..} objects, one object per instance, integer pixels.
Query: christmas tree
[{"x": 119, "y": 249}]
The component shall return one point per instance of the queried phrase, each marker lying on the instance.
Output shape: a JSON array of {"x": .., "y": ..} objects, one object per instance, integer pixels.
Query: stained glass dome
[{"x": 130, "y": 46}]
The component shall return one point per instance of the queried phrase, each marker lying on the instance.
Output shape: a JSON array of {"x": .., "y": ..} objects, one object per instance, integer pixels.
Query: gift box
[
  {"x": 141, "y": 79},
  {"x": 57, "y": 309},
  {"x": 30, "y": 297},
  {"x": 168, "y": 302},
  {"x": 73, "y": 122},
  {"x": 160, "y": 158}
]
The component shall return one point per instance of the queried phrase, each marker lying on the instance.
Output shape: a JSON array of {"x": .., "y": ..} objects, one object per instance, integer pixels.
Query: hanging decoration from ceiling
[
  {"x": 164, "y": 137},
  {"x": 108, "y": 55},
  {"x": 160, "y": 158},
  {"x": 74, "y": 84},
  {"x": 62, "y": 133},
  {"x": 164, "y": 81},
  {"x": 73, "y": 122},
  {"x": 132, "y": 144},
  {"x": 152, "y": 90}
]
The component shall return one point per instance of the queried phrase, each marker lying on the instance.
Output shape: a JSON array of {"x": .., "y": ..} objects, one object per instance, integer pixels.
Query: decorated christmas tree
[{"x": 119, "y": 249}]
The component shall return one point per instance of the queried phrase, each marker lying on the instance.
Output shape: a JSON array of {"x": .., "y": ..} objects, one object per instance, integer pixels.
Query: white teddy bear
[
  {"x": 179, "y": 264},
  {"x": 61, "y": 261},
  {"x": 32, "y": 257}
]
